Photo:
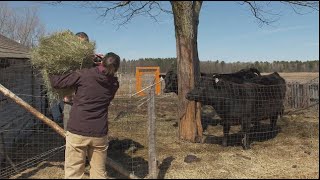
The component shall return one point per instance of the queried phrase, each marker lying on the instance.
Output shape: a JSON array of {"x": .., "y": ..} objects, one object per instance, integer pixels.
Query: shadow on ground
[{"x": 261, "y": 134}]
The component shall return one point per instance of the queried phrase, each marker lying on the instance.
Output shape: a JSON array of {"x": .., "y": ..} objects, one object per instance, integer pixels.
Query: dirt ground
[{"x": 290, "y": 152}]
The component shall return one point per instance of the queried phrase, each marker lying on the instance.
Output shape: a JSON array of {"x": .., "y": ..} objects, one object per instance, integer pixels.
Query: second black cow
[
  {"x": 171, "y": 78},
  {"x": 247, "y": 103}
]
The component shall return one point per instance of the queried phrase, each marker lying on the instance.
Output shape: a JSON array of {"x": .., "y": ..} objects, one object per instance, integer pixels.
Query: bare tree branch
[
  {"x": 309, "y": 4},
  {"x": 23, "y": 26},
  {"x": 125, "y": 11},
  {"x": 259, "y": 11},
  {"x": 163, "y": 10},
  {"x": 296, "y": 5},
  {"x": 134, "y": 11},
  {"x": 4, "y": 15}
]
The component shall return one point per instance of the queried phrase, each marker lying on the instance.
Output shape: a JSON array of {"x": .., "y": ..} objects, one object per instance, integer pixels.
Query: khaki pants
[
  {"x": 77, "y": 147},
  {"x": 66, "y": 115}
]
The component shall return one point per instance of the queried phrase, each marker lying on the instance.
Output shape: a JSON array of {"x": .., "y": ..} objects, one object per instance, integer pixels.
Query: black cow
[
  {"x": 171, "y": 78},
  {"x": 250, "y": 102},
  {"x": 239, "y": 77},
  {"x": 171, "y": 82}
]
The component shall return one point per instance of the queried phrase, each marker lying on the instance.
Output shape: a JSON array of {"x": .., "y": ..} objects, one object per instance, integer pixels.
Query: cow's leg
[
  {"x": 226, "y": 129},
  {"x": 204, "y": 124},
  {"x": 245, "y": 125}
]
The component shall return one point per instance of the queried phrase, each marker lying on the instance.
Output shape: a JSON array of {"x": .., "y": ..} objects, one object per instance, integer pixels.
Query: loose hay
[{"x": 61, "y": 53}]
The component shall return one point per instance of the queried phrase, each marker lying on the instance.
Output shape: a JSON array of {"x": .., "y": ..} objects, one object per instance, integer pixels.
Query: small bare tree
[
  {"x": 22, "y": 26},
  {"x": 5, "y": 14}
]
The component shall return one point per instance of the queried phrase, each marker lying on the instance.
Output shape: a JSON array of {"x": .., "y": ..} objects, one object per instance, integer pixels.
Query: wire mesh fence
[
  {"x": 276, "y": 119},
  {"x": 30, "y": 149},
  {"x": 24, "y": 140}
]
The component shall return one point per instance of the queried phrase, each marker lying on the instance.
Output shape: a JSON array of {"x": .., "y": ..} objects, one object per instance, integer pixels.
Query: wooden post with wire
[{"x": 152, "y": 158}]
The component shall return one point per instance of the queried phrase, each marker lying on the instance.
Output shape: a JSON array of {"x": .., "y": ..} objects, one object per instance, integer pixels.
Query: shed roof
[{"x": 12, "y": 49}]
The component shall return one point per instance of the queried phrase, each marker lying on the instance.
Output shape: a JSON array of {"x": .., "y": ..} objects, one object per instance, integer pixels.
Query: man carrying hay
[
  {"x": 61, "y": 53},
  {"x": 68, "y": 99},
  {"x": 88, "y": 124},
  {"x": 65, "y": 62}
]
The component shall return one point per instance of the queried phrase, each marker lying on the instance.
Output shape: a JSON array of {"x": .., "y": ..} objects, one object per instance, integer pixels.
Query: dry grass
[{"x": 299, "y": 76}]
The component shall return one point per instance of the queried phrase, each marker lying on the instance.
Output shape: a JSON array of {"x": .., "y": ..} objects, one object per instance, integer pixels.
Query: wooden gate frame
[{"x": 140, "y": 71}]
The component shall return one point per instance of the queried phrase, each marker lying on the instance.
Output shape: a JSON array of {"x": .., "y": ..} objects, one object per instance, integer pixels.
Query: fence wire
[
  {"x": 288, "y": 150},
  {"x": 24, "y": 139}
]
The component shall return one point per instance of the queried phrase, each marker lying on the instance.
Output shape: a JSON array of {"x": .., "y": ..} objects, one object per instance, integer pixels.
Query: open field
[
  {"x": 291, "y": 152},
  {"x": 299, "y": 76},
  {"x": 128, "y": 82}
]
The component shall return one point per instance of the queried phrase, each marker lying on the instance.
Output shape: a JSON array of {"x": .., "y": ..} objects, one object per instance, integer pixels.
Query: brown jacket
[{"x": 94, "y": 92}]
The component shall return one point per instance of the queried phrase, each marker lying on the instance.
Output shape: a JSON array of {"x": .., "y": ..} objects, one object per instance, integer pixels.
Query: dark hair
[
  {"x": 83, "y": 35},
  {"x": 111, "y": 62}
]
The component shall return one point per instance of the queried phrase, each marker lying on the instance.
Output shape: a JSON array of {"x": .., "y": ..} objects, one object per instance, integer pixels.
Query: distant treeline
[{"x": 129, "y": 66}]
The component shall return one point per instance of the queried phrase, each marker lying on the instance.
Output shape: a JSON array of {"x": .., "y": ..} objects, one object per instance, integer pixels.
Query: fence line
[{"x": 301, "y": 95}]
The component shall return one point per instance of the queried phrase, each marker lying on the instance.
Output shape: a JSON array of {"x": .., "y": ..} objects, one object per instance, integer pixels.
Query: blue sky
[{"x": 227, "y": 31}]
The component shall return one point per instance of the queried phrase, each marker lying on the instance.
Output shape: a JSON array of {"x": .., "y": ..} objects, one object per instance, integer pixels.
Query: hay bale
[{"x": 61, "y": 53}]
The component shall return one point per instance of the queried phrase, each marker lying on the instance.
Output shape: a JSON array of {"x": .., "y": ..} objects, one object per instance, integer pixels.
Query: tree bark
[{"x": 186, "y": 20}]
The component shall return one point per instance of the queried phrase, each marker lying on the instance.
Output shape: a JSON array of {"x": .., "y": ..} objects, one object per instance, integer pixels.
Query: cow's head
[
  {"x": 203, "y": 91},
  {"x": 248, "y": 73},
  {"x": 171, "y": 82},
  {"x": 196, "y": 94}
]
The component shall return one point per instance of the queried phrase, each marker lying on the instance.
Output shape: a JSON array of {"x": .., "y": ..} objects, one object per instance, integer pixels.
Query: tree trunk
[{"x": 186, "y": 20}]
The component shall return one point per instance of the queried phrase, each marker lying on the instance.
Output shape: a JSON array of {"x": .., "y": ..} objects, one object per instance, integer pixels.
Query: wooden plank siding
[{"x": 302, "y": 95}]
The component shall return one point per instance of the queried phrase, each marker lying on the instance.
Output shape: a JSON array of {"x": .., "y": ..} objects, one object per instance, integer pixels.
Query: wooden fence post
[{"x": 152, "y": 135}]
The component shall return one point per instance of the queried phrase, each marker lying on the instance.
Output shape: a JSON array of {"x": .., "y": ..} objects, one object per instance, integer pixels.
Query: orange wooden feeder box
[{"x": 140, "y": 71}]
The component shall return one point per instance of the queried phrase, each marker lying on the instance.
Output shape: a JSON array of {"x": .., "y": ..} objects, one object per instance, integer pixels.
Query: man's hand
[{"x": 98, "y": 59}]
